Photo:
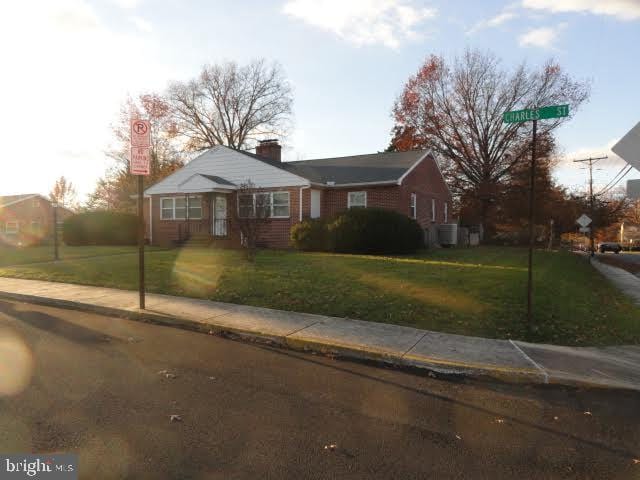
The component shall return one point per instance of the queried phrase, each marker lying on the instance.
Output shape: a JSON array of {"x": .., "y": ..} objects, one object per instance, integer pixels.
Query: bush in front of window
[
  {"x": 100, "y": 228},
  {"x": 374, "y": 231},
  {"x": 311, "y": 235}
]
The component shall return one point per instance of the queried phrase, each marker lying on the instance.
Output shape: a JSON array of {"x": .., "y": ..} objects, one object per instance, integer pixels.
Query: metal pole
[
  {"x": 531, "y": 229},
  {"x": 56, "y": 256},
  {"x": 591, "y": 206},
  {"x": 140, "y": 242}
]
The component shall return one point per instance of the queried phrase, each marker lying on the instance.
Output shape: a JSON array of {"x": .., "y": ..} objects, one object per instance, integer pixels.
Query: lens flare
[{"x": 16, "y": 364}]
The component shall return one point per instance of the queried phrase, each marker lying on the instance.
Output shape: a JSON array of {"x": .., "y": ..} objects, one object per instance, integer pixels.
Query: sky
[{"x": 68, "y": 65}]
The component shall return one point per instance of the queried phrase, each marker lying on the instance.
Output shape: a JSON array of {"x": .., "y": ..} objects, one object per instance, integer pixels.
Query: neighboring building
[
  {"x": 407, "y": 182},
  {"x": 27, "y": 219}
]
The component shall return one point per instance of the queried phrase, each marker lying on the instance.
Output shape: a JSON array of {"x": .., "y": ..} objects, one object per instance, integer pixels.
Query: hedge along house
[{"x": 202, "y": 199}]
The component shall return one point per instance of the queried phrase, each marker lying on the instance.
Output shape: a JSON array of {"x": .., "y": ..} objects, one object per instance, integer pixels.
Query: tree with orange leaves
[{"x": 456, "y": 110}]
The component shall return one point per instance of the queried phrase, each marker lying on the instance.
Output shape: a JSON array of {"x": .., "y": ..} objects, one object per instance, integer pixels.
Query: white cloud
[
  {"x": 543, "y": 37},
  {"x": 622, "y": 9},
  {"x": 141, "y": 24},
  {"x": 493, "y": 22},
  {"x": 127, "y": 4},
  {"x": 363, "y": 22}
]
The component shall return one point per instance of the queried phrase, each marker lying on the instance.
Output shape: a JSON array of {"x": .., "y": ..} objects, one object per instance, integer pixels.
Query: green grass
[
  {"x": 24, "y": 255},
  {"x": 479, "y": 291}
]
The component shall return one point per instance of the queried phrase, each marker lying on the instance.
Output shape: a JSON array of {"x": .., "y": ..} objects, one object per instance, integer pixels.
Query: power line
[{"x": 611, "y": 184}]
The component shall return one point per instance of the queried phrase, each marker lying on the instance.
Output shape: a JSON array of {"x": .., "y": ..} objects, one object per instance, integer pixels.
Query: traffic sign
[
  {"x": 140, "y": 161},
  {"x": 583, "y": 221},
  {"x": 554, "y": 111},
  {"x": 628, "y": 147},
  {"x": 585, "y": 229},
  {"x": 140, "y": 133}
]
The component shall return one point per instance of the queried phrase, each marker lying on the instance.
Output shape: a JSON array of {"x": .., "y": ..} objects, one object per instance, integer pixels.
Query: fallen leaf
[
  {"x": 212, "y": 378},
  {"x": 587, "y": 413},
  {"x": 499, "y": 420},
  {"x": 331, "y": 447},
  {"x": 636, "y": 461},
  {"x": 555, "y": 418},
  {"x": 170, "y": 375},
  {"x": 175, "y": 418},
  {"x": 458, "y": 437},
  {"x": 163, "y": 372}
]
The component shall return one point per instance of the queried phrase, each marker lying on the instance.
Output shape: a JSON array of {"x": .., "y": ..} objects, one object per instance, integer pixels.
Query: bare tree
[
  {"x": 456, "y": 111},
  {"x": 63, "y": 193},
  {"x": 231, "y": 105},
  {"x": 254, "y": 207}
]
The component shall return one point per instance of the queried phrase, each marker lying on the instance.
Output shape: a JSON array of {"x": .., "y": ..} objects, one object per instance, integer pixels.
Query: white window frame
[
  {"x": 350, "y": 204},
  {"x": 446, "y": 212},
  {"x": 433, "y": 209},
  {"x": 413, "y": 210},
  {"x": 12, "y": 230},
  {"x": 186, "y": 208},
  {"x": 270, "y": 194}
]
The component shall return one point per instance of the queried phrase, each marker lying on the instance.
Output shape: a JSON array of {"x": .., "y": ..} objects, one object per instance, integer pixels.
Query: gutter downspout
[
  {"x": 150, "y": 219},
  {"x": 300, "y": 210}
]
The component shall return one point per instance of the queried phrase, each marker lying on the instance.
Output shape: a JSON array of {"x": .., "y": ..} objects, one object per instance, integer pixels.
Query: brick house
[
  {"x": 27, "y": 219},
  {"x": 197, "y": 199}
]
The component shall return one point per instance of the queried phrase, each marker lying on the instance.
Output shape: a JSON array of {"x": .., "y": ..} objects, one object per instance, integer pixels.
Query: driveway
[{"x": 105, "y": 388}]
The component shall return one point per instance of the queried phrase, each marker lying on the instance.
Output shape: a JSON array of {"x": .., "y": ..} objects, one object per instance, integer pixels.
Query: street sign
[
  {"x": 140, "y": 133},
  {"x": 554, "y": 111},
  {"x": 628, "y": 147},
  {"x": 140, "y": 139},
  {"x": 585, "y": 229},
  {"x": 583, "y": 221},
  {"x": 140, "y": 161}
]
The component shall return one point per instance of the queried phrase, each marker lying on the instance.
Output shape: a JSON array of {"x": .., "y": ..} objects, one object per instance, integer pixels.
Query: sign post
[
  {"x": 518, "y": 116},
  {"x": 140, "y": 164}
]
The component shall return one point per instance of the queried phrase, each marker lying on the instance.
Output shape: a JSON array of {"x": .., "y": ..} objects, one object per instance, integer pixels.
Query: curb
[{"x": 415, "y": 364}]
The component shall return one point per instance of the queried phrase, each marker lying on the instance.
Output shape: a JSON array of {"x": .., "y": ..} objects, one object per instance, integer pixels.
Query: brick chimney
[{"x": 269, "y": 149}]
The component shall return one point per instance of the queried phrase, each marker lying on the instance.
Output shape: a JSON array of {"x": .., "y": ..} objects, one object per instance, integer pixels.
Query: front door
[{"x": 220, "y": 215}]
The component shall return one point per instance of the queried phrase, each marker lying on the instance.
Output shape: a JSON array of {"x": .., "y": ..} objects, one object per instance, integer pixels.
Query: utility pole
[{"x": 591, "y": 161}]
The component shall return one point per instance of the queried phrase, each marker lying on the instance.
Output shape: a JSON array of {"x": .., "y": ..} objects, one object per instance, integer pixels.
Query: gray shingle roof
[
  {"x": 370, "y": 168},
  {"x": 218, "y": 180}
]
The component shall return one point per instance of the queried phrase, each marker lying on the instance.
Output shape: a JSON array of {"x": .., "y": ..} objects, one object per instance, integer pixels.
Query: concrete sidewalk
[
  {"x": 627, "y": 282},
  {"x": 513, "y": 361}
]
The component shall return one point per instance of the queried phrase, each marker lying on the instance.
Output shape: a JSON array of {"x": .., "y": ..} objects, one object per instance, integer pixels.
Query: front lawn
[
  {"x": 10, "y": 255},
  {"x": 479, "y": 291}
]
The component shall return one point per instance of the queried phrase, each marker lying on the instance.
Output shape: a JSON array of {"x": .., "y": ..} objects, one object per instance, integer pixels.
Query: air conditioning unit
[{"x": 448, "y": 234}]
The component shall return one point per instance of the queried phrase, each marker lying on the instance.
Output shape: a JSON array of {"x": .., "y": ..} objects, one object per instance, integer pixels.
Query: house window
[
  {"x": 166, "y": 209},
  {"x": 266, "y": 204},
  {"x": 35, "y": 227},
  {"x": 412, "y": 206},
  {"x": 280, "y": 205},
  {"x": 12, "y": 227},
  {"x": 174, "y": 208},
  {"x": 446, "y": 212},
  {"x": 195, "y": 208},
  {"x": 357, "y": 200},
  {"x": 433, "y": 210}
]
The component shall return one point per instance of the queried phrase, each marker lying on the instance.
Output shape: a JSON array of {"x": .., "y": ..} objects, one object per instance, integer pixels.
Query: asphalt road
[{"x": 97, "y": 386}]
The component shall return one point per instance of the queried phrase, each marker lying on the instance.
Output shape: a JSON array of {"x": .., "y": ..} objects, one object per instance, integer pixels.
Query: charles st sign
[{"x": 543, "y": 113}]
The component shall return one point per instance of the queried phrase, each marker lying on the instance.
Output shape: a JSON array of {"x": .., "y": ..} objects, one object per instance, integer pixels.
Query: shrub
[
  {"x": 100, "y": 228},
  {"x": 374, "y": 231},
  {"x": 310, "y": 235}
]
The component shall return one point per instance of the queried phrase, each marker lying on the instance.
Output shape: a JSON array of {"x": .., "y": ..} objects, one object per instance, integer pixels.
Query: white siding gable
[
  {"x": 232, "y": 166},
  {"x": 198, "y": 183}
]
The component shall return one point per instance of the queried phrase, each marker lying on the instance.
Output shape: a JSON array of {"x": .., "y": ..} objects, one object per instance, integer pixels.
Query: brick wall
[
  {"x": 334, "y": 201},
  {"x": 426, "y": 182},
  {"x": 26, "y": 212}
]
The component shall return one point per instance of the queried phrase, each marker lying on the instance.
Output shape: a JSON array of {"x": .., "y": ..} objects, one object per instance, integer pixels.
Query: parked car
[{"x": 614, "y": 247}]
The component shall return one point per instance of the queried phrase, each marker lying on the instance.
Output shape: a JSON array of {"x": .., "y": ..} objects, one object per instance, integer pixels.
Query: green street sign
[{"x": 554, "y": 111}]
